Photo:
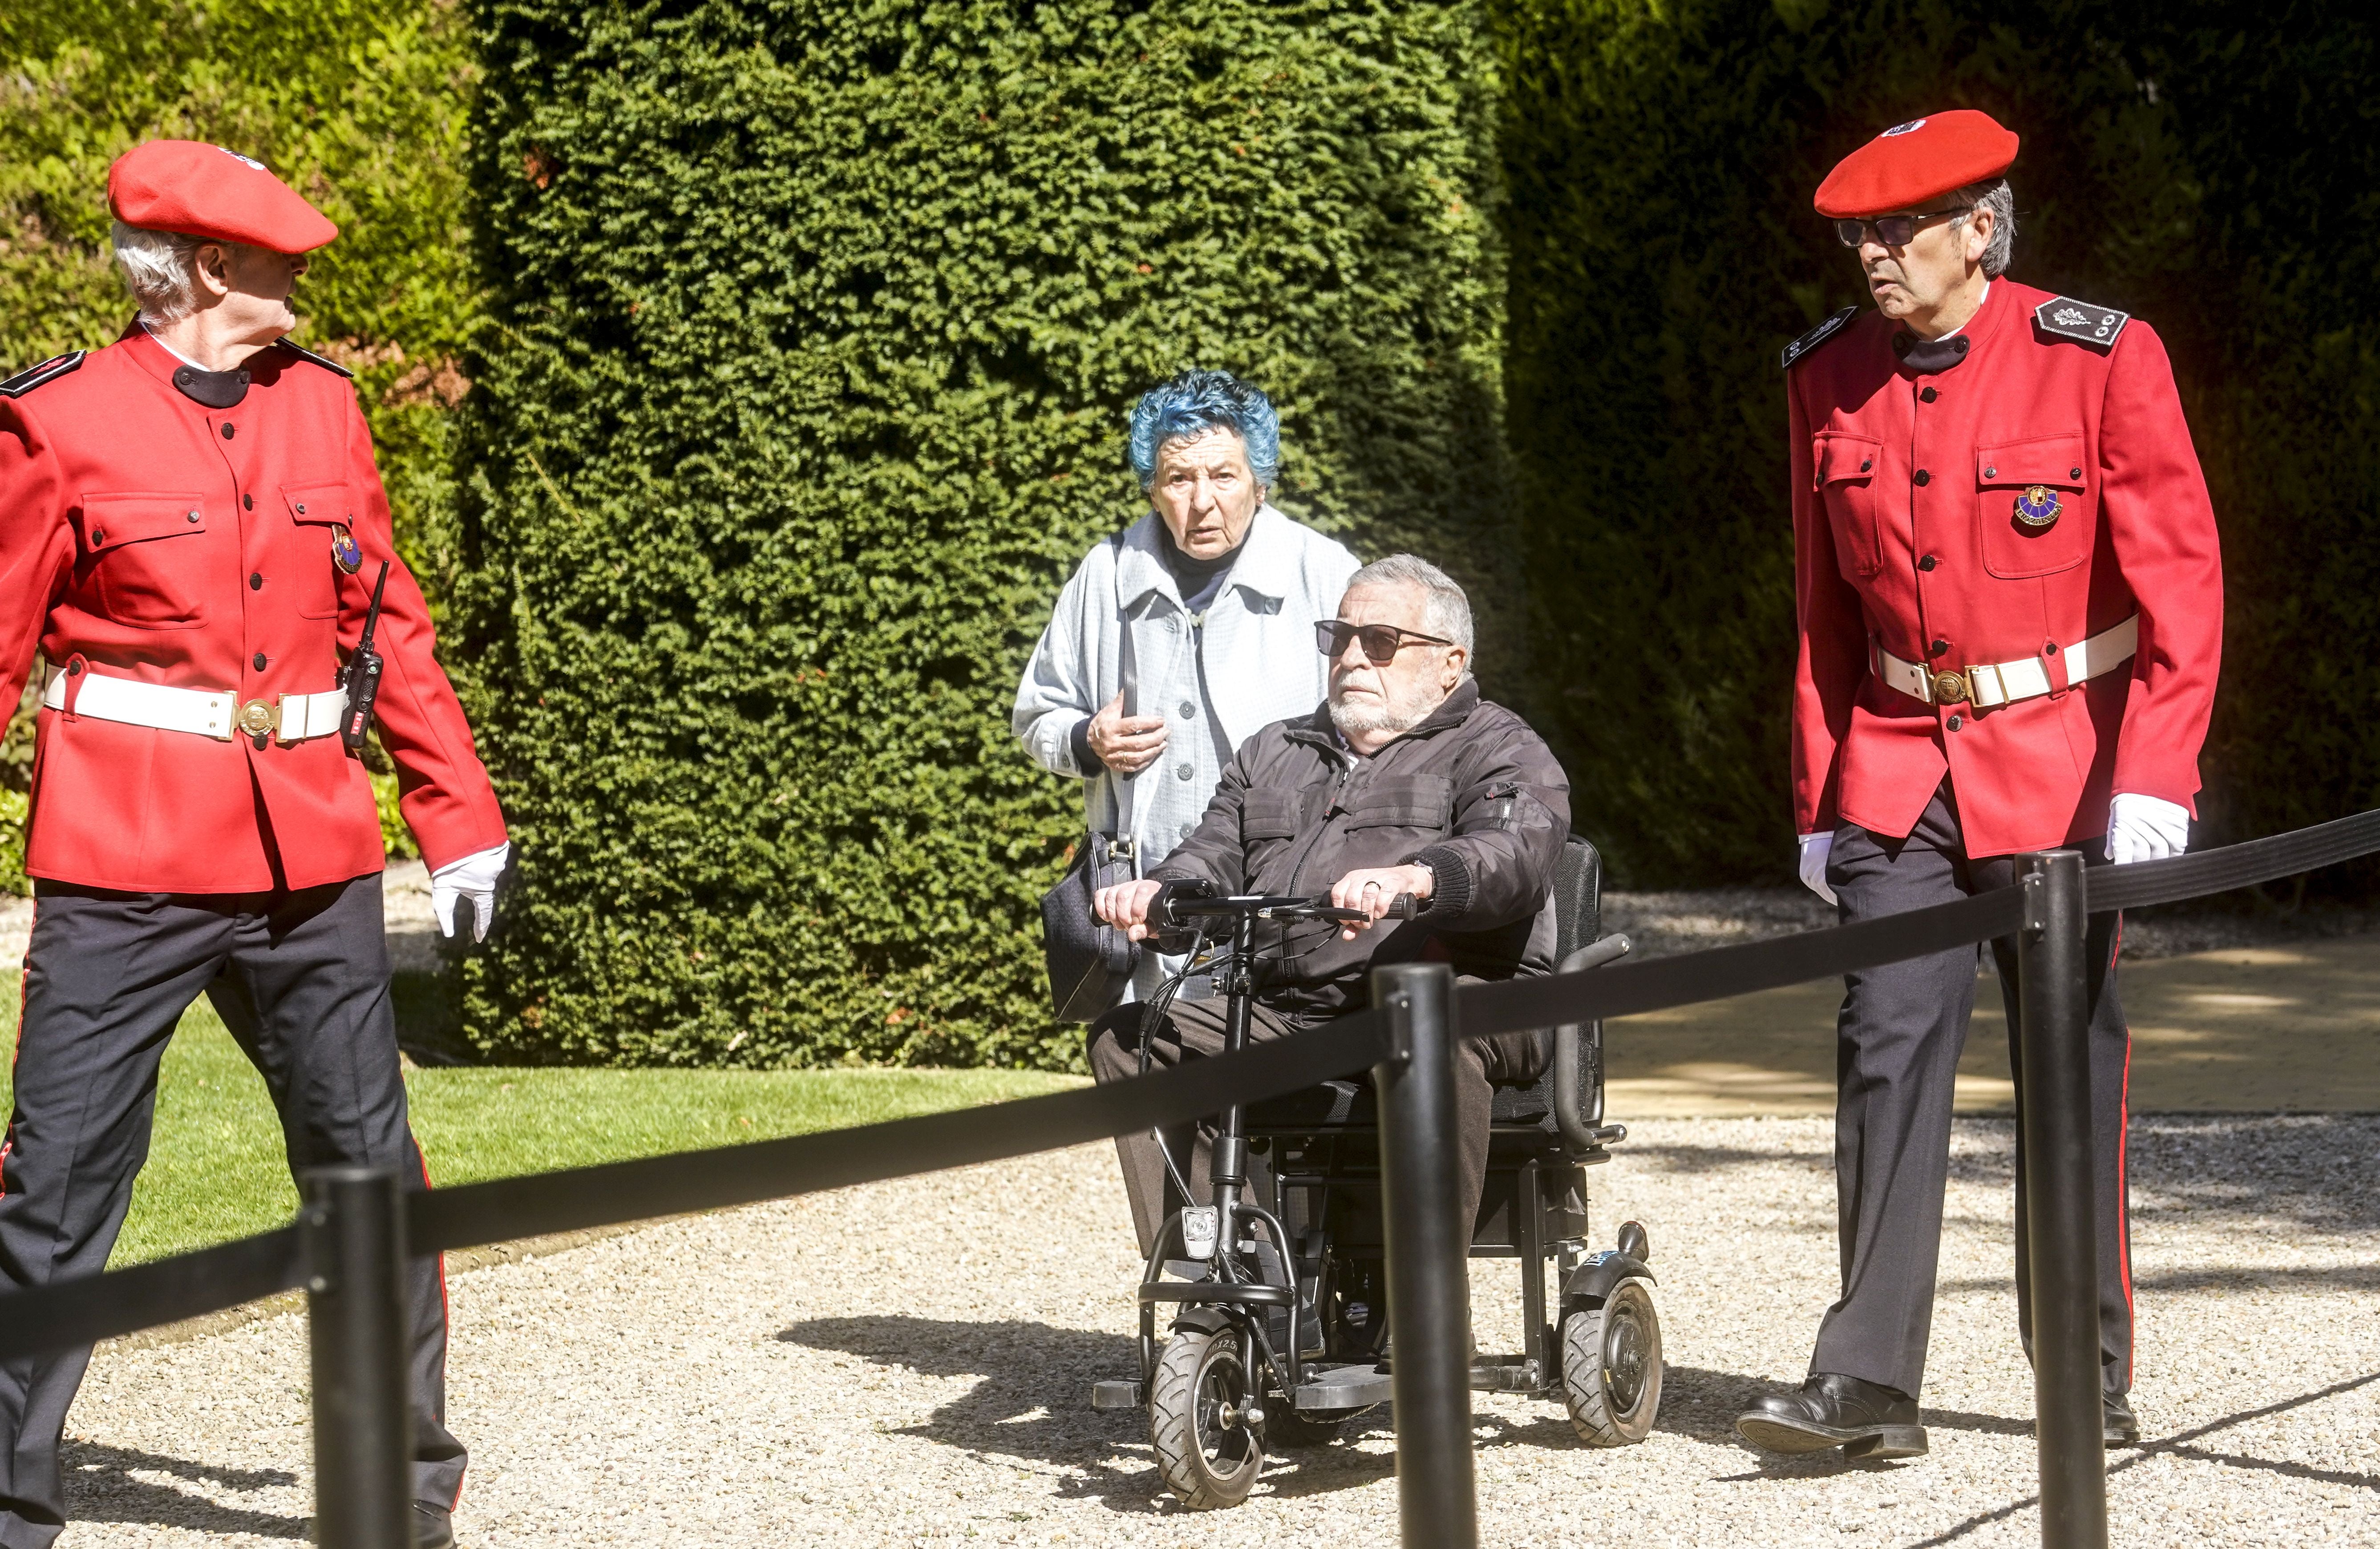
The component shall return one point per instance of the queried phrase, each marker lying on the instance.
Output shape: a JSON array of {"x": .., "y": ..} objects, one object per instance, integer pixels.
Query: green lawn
[{"x": 215, "y": 1168}]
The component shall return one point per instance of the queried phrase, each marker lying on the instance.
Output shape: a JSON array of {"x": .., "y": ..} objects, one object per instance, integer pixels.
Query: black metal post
[
  {"x": 354, "y": 1228},
  {"x": 2061, "y": 1200},
  {"x": 1429, "y": 1258}
]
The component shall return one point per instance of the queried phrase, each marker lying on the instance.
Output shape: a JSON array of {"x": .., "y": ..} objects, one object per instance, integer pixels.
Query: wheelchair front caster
[
  {"x": 1207, "y": 1447},
  {"x": 1611, "y": 1367}
]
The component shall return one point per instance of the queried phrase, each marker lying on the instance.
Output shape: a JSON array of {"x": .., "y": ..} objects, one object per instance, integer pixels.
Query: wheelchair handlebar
[{"x": 1178, "y": 904}]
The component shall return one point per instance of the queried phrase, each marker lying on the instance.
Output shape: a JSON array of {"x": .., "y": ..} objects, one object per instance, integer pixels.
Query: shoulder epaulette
[
  {"x": 2063, "y": 317},
  {"x": 50, "y": 370},
  {"x": 1817, "y": 336},
  {"x": 304, "y": 354}
]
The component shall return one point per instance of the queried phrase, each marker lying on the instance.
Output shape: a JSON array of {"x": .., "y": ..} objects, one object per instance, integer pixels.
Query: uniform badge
[
  {"x": 2063, "y": 317},
  {"x": 2037, "y": 507},
  {"x": 345, "y": 550}
]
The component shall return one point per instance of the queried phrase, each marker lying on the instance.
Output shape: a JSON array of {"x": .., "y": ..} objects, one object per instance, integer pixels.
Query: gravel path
[{"x": 907, "y": 1364}]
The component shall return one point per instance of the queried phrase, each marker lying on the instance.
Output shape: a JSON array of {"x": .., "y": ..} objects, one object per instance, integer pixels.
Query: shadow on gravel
[
  {"x": 2178, "y": 1446},
  {"x": 103, "y": 1486},
  {"x": 1033, "y": 1403},
  {"x": 2246, "y": 1277}
]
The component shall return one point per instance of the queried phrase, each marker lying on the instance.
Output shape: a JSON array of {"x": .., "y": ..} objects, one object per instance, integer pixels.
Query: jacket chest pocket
[
  {"x": 143, "y": 576},
  {"x": 321, "y": 517},
  {"x": 1842, "y": 471},
  {"x": 1391, "y": 817},
  {"x": 1270, "y": 814},
  {"x": 2035, "y": 506}
]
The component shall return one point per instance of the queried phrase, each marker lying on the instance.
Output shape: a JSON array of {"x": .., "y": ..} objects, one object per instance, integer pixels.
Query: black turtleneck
[{"x": 1201, "y": 582}]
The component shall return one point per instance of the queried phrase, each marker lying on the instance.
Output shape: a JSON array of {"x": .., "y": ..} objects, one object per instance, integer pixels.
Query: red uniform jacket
[
  {"x": 1905, "y": 535},
  {"x": 102, "y": 470}
]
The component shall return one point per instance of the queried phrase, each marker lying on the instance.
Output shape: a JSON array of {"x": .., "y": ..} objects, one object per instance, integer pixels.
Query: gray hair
[
  {"x": 161, "y": 270},
  {"x": 1993, "y": 196},
  {"x": 1446, "y": 612}
]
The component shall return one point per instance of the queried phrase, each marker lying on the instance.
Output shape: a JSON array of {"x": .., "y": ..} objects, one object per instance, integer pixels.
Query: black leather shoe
[
  {"x": 2120, "y": 1427},
  {"x": 2123, "y": 1426},
  {"x": 433, "y": 1526},
  {"x": 1865, "y": 1420}
]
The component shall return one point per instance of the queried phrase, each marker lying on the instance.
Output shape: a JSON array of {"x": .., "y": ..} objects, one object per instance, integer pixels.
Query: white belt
[
  {"x": 216, "y": 713},
  {"x": 1988, "y": 684}
]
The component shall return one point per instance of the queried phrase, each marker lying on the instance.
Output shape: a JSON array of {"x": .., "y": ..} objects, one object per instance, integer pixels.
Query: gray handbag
[{"x": 1090, "y": 961}]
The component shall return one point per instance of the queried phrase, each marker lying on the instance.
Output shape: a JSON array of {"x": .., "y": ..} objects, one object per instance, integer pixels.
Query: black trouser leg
[
  {"x": 1899, "y": 1039},
  {"x": 107, "y": 978},
  {"x": 306, "y": 994},
  {"x": 1193, "y": 1029},
  {"x": 2112, "y": 1061},
  {"x": 302, "y": 979},
  {"x": 1897, "y": 1046}
]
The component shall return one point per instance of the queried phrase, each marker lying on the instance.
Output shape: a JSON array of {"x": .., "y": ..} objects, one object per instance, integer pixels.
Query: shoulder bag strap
[{"x": 1128, "y": 669}]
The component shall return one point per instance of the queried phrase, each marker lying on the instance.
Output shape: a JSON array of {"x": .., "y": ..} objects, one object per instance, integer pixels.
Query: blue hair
[{"x": 1197, "y": 402}]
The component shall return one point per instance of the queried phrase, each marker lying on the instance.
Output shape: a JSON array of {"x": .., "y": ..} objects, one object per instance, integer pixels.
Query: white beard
[{"x": 1374, "y": 717}]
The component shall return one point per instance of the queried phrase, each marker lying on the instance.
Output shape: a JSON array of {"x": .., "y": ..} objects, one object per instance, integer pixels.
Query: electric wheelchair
[{"x": 1281, "y": 1333}]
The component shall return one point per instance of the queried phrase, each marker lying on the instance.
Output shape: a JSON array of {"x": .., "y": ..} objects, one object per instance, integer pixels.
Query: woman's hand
[
  {"x": 1126, "y": 905},
  {"x": 1126, "y": 744}
]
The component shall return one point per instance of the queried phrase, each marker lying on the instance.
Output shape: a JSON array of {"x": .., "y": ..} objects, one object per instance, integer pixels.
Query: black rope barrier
[
  {"x": 2243, "y": 865},
  {"x": 1659, "y": 984},
  {"x": 95, "y": 1307},
  {"x": 90, "y": 1308},
  {"x": 1721, "y": 973}
]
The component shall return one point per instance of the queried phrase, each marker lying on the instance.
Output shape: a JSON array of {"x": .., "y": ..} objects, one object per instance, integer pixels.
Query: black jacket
[{"x": 1471, "y": 792}]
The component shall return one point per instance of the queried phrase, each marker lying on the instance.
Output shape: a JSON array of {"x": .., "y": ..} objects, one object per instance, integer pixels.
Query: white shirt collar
[
  {"x": 1978, "y": 312},
  {"x": 167, "y": 348}
]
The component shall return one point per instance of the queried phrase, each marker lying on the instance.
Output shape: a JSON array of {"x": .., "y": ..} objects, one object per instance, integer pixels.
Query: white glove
[
  {"x": 473, "y": 877},
  {"x": 2145, "y": 828},
  {"x": 1815, "y": 847}
]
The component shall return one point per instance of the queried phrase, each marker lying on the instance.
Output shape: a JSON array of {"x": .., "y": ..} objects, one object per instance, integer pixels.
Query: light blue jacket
[{"x": 1260, "y": 665}]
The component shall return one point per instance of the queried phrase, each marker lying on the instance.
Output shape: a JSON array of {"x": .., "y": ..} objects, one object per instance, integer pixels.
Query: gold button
[
  {"x": 1949, "y": 687},
  {"x": 256, "y": 717}
]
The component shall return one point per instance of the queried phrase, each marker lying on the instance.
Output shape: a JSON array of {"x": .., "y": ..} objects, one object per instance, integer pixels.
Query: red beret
[
  {"x": 198, "y": 189},
  {"x": 1909, "y": 164}
]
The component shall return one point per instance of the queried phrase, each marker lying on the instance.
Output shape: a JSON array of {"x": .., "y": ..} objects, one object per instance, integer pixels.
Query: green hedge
[
  {"x": 2207, "y": 168},
  {"x": 362, "y": 104},
  {"x": 815, "y": 326}
]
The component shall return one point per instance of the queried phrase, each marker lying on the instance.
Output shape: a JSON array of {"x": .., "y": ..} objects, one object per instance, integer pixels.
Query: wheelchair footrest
[
  {"x": 1506, "y": 1374},
  {"x": 1118, "y": 1393},
  {"x": 1344, "y": 1387}
]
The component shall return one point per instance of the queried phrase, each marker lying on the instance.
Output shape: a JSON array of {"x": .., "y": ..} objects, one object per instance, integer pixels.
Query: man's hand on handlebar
[
  {"x": 1126, "y": 905},
  {"x": 1374, "y": 888}
]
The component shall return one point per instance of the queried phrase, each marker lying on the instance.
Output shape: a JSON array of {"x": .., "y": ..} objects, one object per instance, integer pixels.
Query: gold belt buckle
[
  {"x": 256, "y": 717},
  {"x": 1950, "y": 688}
]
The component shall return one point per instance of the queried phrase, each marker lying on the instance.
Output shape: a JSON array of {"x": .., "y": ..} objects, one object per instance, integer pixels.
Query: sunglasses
[
  {"x": 1893, "y": 231},
  {"x": 1381, "y": 641}
]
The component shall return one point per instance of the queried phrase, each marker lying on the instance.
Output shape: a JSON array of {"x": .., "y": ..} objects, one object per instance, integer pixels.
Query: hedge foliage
[
  {"x": 814, "y": 329},
  {"x": 2208, "y": 168},
  {"x": 360, "y": 103}
]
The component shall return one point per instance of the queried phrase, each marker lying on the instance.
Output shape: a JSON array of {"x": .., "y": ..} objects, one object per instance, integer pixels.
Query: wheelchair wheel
[
  {"x": 1206, "y": 1451},
  {"x": 1611, "y": 1367}
]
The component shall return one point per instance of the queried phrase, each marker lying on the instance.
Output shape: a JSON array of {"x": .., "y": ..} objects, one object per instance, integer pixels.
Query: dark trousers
[
  {"x": 301, "y": 979},
  {"x": 1195, "y": 1029},
  {"x": 1897, "y": 1047}
]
